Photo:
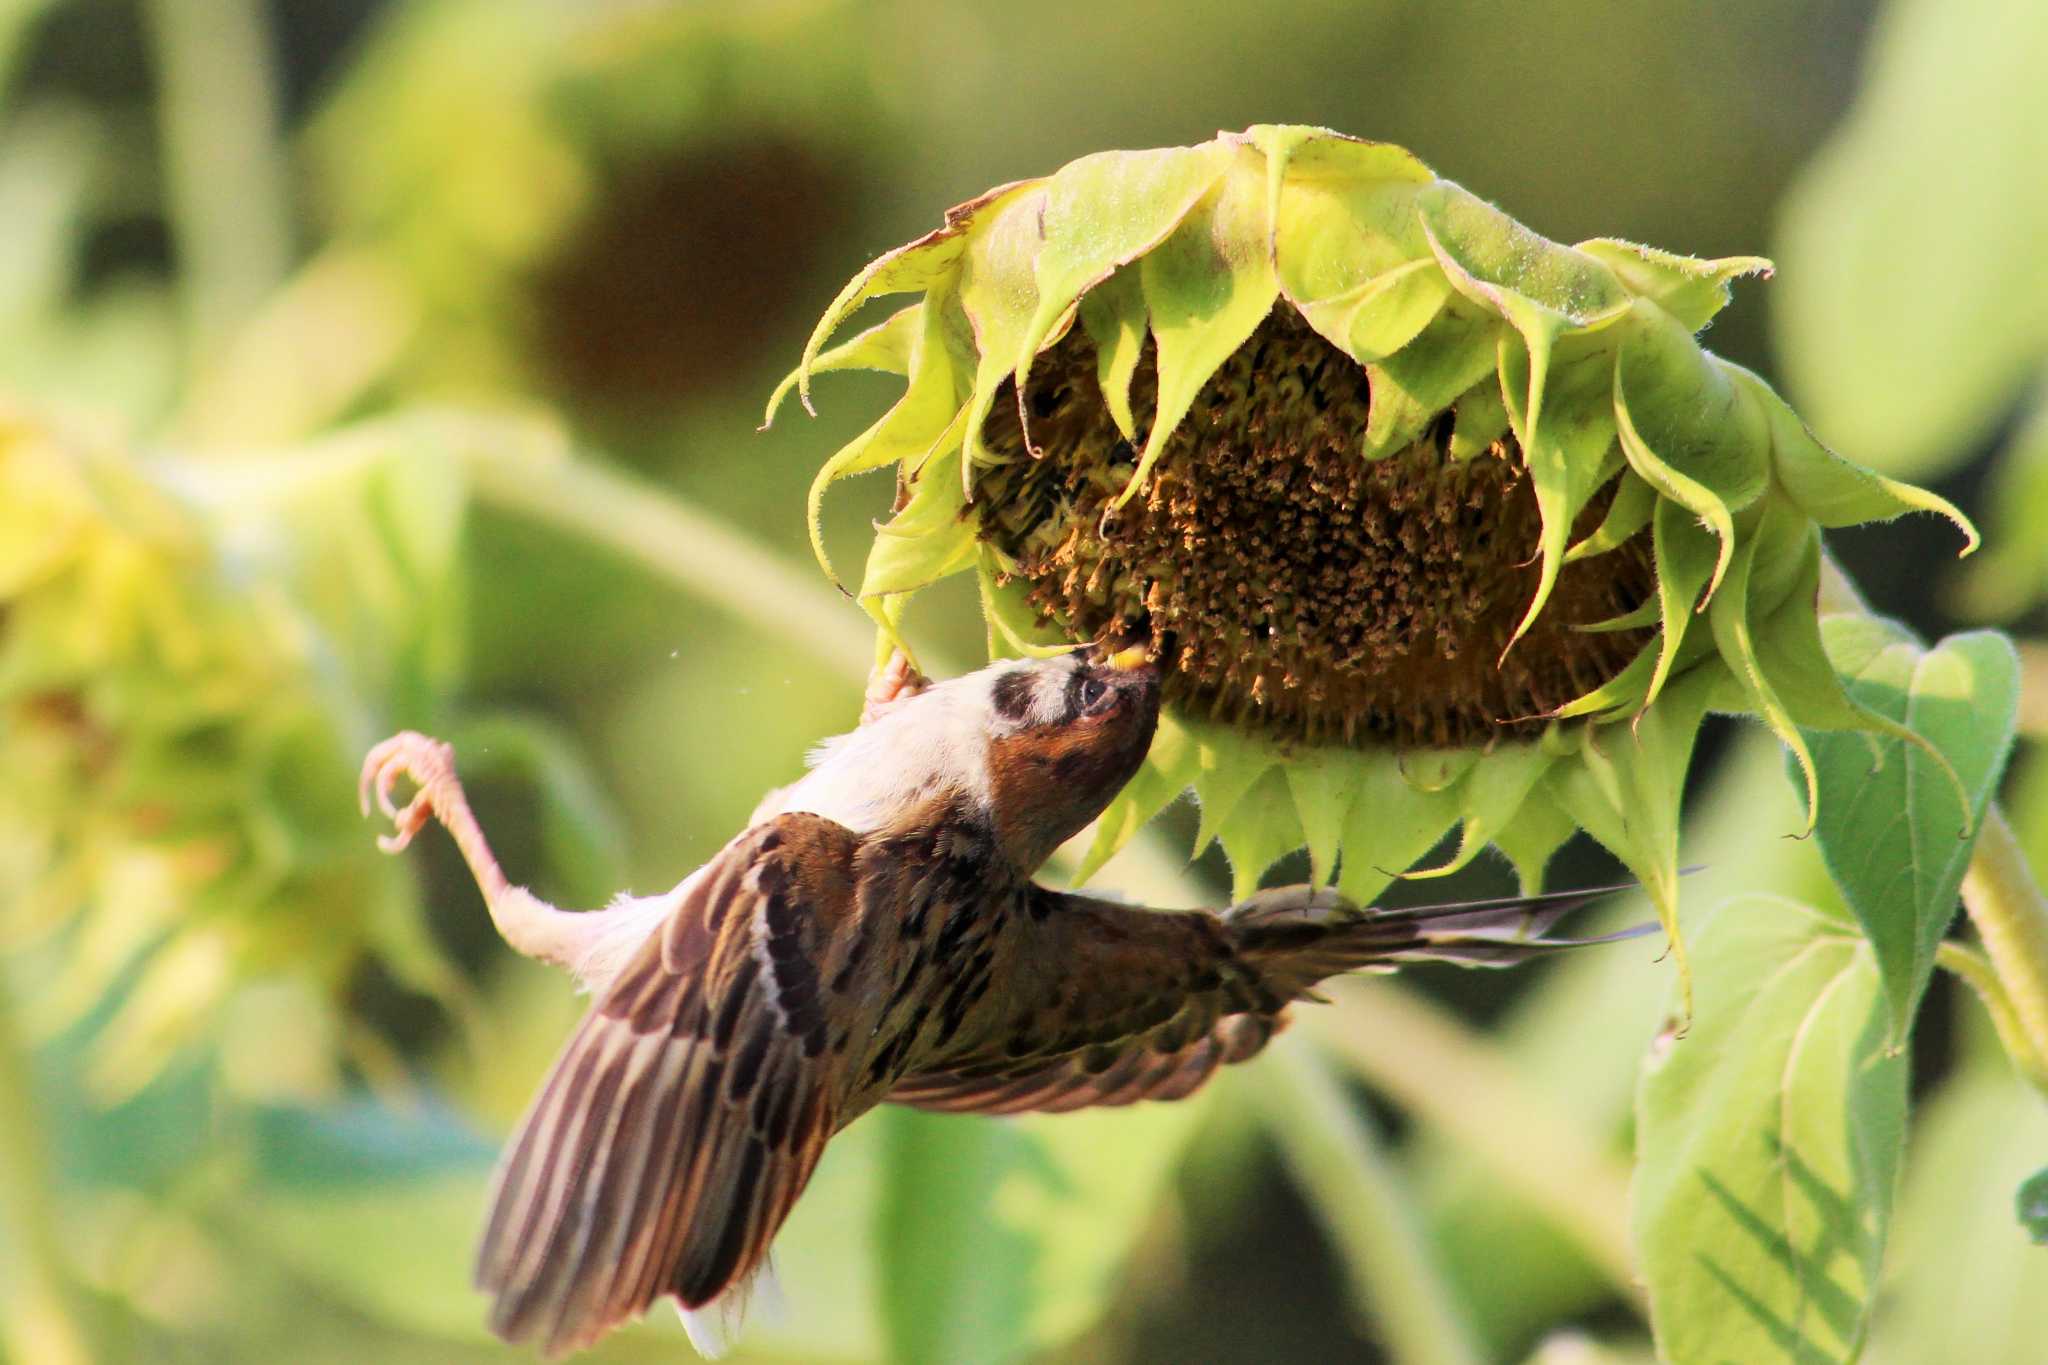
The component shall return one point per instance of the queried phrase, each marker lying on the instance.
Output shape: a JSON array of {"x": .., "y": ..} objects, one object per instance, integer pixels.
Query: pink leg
[
  {"x": 526, "y": 922},
  {"x": 890, "y": 683}
]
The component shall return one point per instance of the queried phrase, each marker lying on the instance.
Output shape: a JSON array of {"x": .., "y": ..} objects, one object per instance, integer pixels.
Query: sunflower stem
[
  {"x": 36, "y": 1321},
  {"x": 1974, "y": 970},
  {"x": 2011, "y": 915},
  {"x": 1351, "y": 1185},
  {"x": 1429, "y": 1063},
  {"x": 681, "y": 545},
  {"x": 224, "y": 172}
]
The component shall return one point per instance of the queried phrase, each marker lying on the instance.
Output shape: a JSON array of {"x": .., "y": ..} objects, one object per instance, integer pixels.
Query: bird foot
[
  {"x": 529, "y": 924},
  {"x": 431, "y": 766},
  {"x": 890, "y": 683}
]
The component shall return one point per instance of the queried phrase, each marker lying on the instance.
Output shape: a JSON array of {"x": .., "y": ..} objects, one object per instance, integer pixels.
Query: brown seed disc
[{"x": 1283, "y": 580}]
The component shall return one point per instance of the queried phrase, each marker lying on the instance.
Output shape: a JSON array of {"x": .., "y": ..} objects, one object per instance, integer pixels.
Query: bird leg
[
  {"x": 529, "y": 924},
  {"x": 891, "y": 682}
]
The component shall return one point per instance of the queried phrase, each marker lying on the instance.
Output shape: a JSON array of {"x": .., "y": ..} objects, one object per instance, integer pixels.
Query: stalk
[
  {"x": 2011, "y": 915},
  {"x": 676, "y": 543},
  {"x": 1429, "y": 1063},
  {"x": 224, "y": 172},
  {"x": 1359, "y": 1198}
]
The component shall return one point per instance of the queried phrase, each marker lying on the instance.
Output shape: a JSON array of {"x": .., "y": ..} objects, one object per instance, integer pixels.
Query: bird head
[{"x": 1065, "y": 735}]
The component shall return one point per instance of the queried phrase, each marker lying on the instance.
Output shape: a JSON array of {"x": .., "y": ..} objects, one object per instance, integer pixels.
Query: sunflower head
[{"x": 1409, "y": 503}]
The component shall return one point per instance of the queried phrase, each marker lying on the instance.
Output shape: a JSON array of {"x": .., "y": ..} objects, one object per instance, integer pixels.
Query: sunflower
[
  {"x": 1429, "y": 521},
  {"x": 175, "y": 847}
]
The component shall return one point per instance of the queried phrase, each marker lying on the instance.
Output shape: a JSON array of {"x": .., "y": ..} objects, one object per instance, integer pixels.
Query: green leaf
[
  {"x": 1103, "y": 211},
  {"x": 1261, "y": 829},
  {"x": 1891, "y": 824},
  {"x": 886, "y": 346},
  {"x": 1377, "y": 318},
  {"x": 1576, "y": 1037},
  {"x": 1688, "y": 288},
  {"x": 1832, "y": 490},
  {"x": 920, "y": 265},
  {"x": 930, "y": 538},
  {"x": 996, "y": 1237},
  {"x": 1349, "y": 248},
  {"x": 1458, "y": 348},
  {"x": 1324, "y": 784},
  {"x": 1768, "y": 1141},
  {"x": 921, "y": 418},
  {"x": 999, "y": 292},
  {"x": 1113, "y": 315},
  {"x": 1634, "y": 501},
  {"x": 1396, "y": 816},
  {"x": 1230, "y": 763},
  {"x": 1624, "y": 790},
  {"x": 1569, "y": 457},
  {"x": 1500, "y": 262},
  {"x": 1686, "y": 427},
  {"x": 1491, "y": 798},
  {"x": 1208, "y": 286},
  {"x": 1543, "y": 290},
  {"x": 1481, "y": 419}
]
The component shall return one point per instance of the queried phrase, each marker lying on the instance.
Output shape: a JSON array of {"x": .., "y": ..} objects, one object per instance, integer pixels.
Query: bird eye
[{"x": 1093, "y": 690}]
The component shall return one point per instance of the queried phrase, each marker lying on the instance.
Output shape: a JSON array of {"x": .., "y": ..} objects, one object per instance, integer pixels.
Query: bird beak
[{"x": 1127, "y": 658}]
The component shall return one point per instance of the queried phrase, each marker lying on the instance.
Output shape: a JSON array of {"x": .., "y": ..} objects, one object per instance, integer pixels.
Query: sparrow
[{"x": 875, "y": 936}]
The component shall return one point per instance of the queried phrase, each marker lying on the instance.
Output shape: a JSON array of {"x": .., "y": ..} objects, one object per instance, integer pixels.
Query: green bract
[{"x": 1412, "y": 503}]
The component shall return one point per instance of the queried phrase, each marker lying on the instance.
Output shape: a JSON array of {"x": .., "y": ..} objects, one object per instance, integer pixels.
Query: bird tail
[{"x": 1319, "y": 931}]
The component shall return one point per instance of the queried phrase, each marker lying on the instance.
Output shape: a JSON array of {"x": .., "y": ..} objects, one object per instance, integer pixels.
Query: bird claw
[
  {"x": 892, "y": 682},
  {"x": 431, "y": 766}
]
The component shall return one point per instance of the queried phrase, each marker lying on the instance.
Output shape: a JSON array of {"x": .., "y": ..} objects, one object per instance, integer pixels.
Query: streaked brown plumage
[{"x": 874, "y": 936}]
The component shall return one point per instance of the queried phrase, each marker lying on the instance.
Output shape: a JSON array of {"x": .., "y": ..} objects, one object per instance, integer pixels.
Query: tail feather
[{"x": 1316, "y": 933}]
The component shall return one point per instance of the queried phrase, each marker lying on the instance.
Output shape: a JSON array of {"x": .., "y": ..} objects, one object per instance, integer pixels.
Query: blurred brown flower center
[{"x": 1284, "y": 581}]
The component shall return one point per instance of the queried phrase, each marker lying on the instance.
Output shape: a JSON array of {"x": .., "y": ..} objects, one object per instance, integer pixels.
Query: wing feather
[
  {"x": 688, "y": 1111},
  {"x": 1131, "y": 1004}
]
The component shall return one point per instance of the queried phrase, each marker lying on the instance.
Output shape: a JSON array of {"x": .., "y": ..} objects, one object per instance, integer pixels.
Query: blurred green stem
[
  {"x": 36, "y": 1323},
  {"x": 1426, "y": 1061},
  {"x": 1339, "y": 1166},
  {"x": 678, "y": 544},
  {"x": 2006, "y": 905},
  {"x": 1975, "y": 971},
  {"x": 224, "y": 173}
]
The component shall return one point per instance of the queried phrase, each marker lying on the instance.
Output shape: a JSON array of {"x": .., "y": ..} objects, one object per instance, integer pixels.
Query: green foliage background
[{"x": 391, "y": 364}]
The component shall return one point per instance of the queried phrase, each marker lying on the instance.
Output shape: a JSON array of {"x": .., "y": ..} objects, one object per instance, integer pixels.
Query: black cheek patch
[{"x": 1012, "y": 694}]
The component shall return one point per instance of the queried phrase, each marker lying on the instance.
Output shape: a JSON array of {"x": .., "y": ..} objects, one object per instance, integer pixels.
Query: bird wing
[
  {"x": 688, "y": 1111},
  {"x": 1139, "y": 1004},
  {"x": 1110, "y": 1004}
]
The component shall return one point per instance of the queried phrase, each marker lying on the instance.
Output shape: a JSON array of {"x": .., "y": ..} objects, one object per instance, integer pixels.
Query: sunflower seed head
[{"x": 1282, "y": 580}]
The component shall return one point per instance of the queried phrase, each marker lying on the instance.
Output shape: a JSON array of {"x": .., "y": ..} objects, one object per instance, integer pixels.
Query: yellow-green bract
[{"x": 1450, "y": 307}]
